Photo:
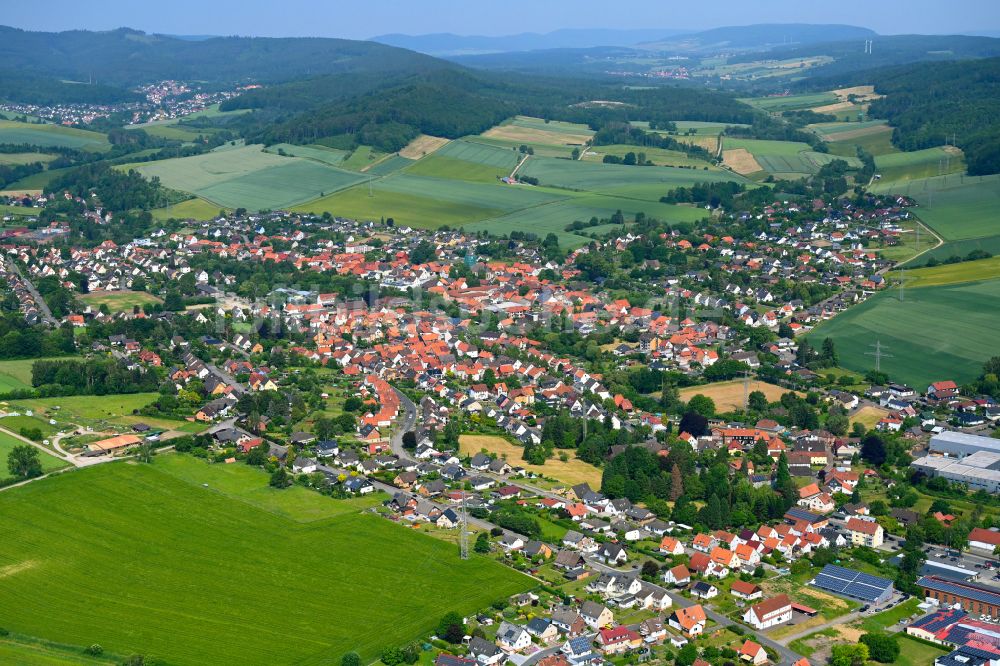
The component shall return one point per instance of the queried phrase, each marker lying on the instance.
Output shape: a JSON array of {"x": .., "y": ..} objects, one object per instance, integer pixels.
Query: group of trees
[
  {"x": 98, "y": 376},
  {"x": 116, "y": 191},
  {"x": 18, "y": 339}
]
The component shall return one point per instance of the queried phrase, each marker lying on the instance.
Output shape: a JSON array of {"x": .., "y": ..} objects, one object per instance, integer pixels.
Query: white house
[{"x": 769, "y": 613}]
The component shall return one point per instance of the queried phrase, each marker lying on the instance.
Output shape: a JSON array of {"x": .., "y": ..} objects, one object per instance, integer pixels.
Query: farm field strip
[
  {"x": 196, "y": 209},
  {"x": 956, "y": 206},
  {"x": 911, "y": 331},
  {"x": 51, "y": 135},
  {"x": 616, "y": 179},
  {"x": 901, "y": 167},
  {"x": 84, "y": 520}
]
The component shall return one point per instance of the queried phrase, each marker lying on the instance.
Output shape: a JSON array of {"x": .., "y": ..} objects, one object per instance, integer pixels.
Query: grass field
[
  {"x": 876, "y": 142},
  {"x": 914, "y": 653},
  {"x": 966, "y": 271},
  {"x": 780, "y": 157},
  {"x": 555, "y": 217},
  {"x": 961, "y": 248},
  {"x": 118, "y": 301},
  {"x": 791, "y": 102},
  {"x": 647, "y": 183},
  {"x": 658, "y": 156},
  {"x": 18, "y": 211},
  {"x": 16, "y": 374},
  {"x": 729, "y": 395},
  {"x": 868, "y": 416},
  {"x": 195, "y": 209},
  {"x": 83, "y": 409},
  {"x": 571, "y": 472},
  {"x": 248, "y": 177},
  {"x": 330, "y": 156},
  {"x": 441, "y": 166},
  {"x": 937, "y": 333},
  {"x": 406, "y": 210},
  {"x": 7, "y": 443},
  {"x": 338, "y": 578},
  {"x": 901, "y": 167},
  {"x": 957, "y": 207},
  {"x": 362, "y": 158},
  {"x": 51, "y": 135},
  {"x": 388, "y": 165},
  {"x": 39, "y": 653},
  {"x": 25, "y": 158}
]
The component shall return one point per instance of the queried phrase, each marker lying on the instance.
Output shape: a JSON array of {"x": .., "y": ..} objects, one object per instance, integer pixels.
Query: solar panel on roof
[{"x": 851, "y": 583}]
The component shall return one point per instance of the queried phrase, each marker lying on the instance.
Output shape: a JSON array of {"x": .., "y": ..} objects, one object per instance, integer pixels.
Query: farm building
[{"x": 112, "y": 444}]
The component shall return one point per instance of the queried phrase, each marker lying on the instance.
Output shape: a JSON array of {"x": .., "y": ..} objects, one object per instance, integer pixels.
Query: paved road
[
  {"x": 226, "y": 377},
  {"x": 787, "y": 655},
  {"x": 65, "y": 457},
  {"x": 43, "y": 307},
  {"x": 404, "y": 425}
]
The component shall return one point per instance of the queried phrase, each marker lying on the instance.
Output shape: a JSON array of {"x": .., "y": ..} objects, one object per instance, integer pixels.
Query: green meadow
[
  {"x": 958, "y": 207},
  {"x": 935, "y": 333},
  {"x": 248, "y": 177},
  {"x": 238, "y": 572},
  {"x": 7, "y": 443},
  {"x": 51, "y": 135}
]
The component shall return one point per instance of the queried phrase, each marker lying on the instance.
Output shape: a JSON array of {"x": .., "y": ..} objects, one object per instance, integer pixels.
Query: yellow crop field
[{"x": 570, "y": 472}]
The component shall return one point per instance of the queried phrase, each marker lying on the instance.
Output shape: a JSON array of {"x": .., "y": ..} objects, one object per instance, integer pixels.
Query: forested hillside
[
  {"x": 455, "y": 102},
  {"x": 125, "y": 57},
  {"x": 929, "y": 103},
  {"x": 39, "y": 89}
]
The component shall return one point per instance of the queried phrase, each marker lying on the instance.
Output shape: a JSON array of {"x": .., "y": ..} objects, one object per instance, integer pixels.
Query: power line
[
  {"x": 879, "y": 354},
  {"x": 463, "y": 538}
]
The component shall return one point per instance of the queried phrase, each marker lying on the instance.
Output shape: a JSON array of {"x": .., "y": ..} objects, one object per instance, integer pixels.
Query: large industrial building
[
  {"x": 959, "y": 444},
  {"x": 974, "y": 598},
  {"x": 979, "y": 471},
  {"x": 968, "y": 459}
]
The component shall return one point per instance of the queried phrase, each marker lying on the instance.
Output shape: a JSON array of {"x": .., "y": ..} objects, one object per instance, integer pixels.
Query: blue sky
[{"x": 359, "y": 19}]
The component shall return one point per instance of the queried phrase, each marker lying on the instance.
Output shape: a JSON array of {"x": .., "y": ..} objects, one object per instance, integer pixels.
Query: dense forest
[
  {"x": 38, "y": 89},
  {"x": 126, "y": 57},
  {"x": 455, "y": 102},
  {"x": 928, "y": 103}
]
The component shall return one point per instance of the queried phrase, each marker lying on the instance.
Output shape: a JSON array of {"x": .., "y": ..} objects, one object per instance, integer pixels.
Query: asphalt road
[
  {"x": 787, "y": 656},
  {"x": 43, "y": 307}
]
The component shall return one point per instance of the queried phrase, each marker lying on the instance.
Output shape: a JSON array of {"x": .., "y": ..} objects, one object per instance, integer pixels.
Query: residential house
[{"x": 769, "y": 613}]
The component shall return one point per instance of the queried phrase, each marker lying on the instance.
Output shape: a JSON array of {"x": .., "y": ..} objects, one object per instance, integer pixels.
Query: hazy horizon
[{"x": 363, "y": 20}]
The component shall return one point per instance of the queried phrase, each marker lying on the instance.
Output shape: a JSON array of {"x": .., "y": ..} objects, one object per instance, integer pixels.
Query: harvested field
[
  {"x": 536, "y": 130},
  {"x": 529, "y": 135},
  {"x": 422, "y": 145},
  {"x": 571, "y": 472},
  {"x": 861, "y": 93},
  {"x": 729, "y": 395},
  {"x": 868, "y": 416},
  {"x": 834, "y": 108},
  {"x": 741, "y": 161},
  {"x": 709, "y": 143}
]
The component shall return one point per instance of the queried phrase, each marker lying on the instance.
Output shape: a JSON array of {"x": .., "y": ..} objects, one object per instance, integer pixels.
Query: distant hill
[
  {"x": 849, "y": 56},
  {"x": 126, "y": 57},
  {"x": 592, "y": 60},
  {"x": 756, "y": 37},
  {"x": 448, "y": 44}
]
